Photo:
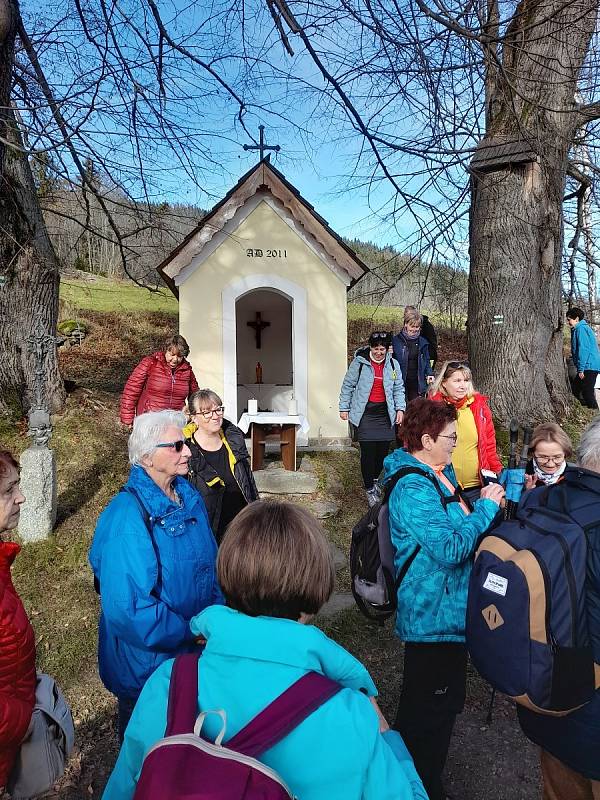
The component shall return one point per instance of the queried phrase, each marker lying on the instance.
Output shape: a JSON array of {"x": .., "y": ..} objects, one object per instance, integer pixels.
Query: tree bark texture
[
  {"x": 515, "y": 315},
  {"x": 28, "y": 266}
]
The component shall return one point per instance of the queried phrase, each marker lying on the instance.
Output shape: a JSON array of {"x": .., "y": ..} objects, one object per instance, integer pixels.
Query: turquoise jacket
[
  {"x": 584, "y": 347},
  {"x": 432, "y": 598},
  {"x": 150, "y": 587},
  {"x": 358, "y": 382},
  {"x": 337, "y": 753}
]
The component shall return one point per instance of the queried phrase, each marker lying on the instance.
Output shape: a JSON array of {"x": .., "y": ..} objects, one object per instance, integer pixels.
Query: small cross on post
[
  {"x": 258, "y": 324},
  {"x": 261, "y": 146}
]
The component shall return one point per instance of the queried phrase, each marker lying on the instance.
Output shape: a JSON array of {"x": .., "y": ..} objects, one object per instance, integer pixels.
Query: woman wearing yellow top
[{"x": 476, "y": 445}]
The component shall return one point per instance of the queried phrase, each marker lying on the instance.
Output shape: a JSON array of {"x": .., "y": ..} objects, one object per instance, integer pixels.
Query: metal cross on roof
[{"x": 261, "y": 146}]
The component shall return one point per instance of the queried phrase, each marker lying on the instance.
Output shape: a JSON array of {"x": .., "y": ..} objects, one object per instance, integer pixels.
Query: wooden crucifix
[{"x": 258, "y": 324}]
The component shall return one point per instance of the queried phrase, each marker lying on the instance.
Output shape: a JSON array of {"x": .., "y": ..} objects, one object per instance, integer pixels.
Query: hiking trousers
[{"x": 433, "y": 693}]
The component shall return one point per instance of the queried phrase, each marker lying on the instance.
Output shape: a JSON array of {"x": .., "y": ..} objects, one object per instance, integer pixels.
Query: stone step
[{"x": 283, "y": 481}]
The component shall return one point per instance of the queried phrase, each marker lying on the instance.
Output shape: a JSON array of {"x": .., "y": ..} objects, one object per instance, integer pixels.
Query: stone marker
[
  {"x": 283, "y": 481},
  {"x": 38, "y": 467},
  {"x": 339, "y": 601},
  {"x": 38, "y": 484}
]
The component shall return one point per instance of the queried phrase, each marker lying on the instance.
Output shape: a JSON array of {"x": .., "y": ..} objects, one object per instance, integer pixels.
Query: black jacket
[{"x": 205, "y": 479}]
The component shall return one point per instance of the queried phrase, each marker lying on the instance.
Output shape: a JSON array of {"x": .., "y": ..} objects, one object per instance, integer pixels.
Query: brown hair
[
  {"x": 177, "y": 343},
  {"x": 275, "y": 561},
  {"x": 202, "y": 399},
  {"x": 551, "y": 432},
  {"x": 412, "y": 315},
  {"x": 425, "y": 416},
  {"x": 7, "y": 460}
]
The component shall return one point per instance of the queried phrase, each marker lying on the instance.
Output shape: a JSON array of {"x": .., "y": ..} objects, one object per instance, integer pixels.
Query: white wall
[{"x": 275, "y": 355}]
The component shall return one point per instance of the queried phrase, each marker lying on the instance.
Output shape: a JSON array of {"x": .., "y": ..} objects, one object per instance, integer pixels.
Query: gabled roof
[{"x": 262, "y": 178}]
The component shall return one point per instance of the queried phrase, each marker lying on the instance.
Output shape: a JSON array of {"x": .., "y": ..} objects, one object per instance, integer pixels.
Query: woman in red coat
[
  {"x": 160, "y": 381},
  {"x": 476, "y": 445},
  {"x": 17, "y": 643}
]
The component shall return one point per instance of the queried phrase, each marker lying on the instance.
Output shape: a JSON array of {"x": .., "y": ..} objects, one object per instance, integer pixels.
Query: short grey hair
[
  {"x": 588, "y": 452},
  {"x": 148, "y": 430}
]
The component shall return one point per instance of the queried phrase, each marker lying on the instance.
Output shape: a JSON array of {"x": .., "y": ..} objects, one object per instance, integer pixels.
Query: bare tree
[
  {"x": 440, "y": 91},
  {"x": 115, "y": 102}
]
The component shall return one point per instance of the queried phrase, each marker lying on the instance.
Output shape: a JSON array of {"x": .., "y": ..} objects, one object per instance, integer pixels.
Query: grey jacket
[{"x": 358, "y": 382}]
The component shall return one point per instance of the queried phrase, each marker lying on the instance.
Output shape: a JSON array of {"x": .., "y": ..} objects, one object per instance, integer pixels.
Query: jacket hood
[
  {"x": 232, "y": 634},
  {"x": 400, "y": 458},
  {"x": 363, "y": 354},
  {"x": 154, "y": 499}
]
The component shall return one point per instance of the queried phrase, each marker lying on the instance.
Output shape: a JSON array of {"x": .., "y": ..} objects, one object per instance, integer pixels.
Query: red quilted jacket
[
  {"x": 486, "y": 435},
  {"x": 154, "y": 386},
  {"x": 17, "y": 665}
]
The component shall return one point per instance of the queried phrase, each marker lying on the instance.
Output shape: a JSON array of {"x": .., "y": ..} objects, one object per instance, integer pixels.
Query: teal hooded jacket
[
  {"x": 432, "y": 598},
  {"x": 337, "y": 753},
  {"x": 584, "y": 347}
]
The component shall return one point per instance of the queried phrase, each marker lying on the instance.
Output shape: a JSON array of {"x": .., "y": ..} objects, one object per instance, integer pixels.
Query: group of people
[{"x": 187, "y": 559}]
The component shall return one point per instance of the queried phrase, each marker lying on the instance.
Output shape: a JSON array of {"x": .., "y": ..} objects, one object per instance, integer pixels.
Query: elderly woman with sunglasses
[
  {"x": 476, "y": 446},
  {"x": 372, "y": 399},
  {"x": 219, "y": 466},
  {"x": 153, "y": 556}
]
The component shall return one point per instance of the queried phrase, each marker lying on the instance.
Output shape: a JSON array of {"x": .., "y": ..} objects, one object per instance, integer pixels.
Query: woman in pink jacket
[{"x": 160, "y": 381}]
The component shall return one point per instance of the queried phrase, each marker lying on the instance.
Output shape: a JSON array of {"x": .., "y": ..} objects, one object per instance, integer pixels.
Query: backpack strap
[
  {"x": 282, "y": 715},
  {"x": 404, "y": 471},
  {"x": 389, "y": 487},
  {"x": 182, "y": 710}
]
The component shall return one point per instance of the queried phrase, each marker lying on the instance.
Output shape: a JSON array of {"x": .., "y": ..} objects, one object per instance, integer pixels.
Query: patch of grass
[
  {"x": 102, "y": 294},
  {"x": 388, "y": 314}
]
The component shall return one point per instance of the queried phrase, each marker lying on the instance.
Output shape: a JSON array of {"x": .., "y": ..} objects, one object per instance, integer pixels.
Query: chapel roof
[{"x": 263, "y": 177}]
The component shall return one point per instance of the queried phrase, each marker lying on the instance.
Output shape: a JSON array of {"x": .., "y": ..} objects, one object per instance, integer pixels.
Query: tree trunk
[
  {"x": 515, "y": 315},
  {"x": 29, "y": 276}
]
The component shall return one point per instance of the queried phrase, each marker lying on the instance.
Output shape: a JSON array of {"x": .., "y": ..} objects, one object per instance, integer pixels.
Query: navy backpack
[{"x": 526, "y": 614}]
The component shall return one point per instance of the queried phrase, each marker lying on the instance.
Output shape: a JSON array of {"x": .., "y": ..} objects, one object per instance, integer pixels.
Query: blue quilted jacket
[
  {"x": 358, "y": 382},
  {"x": 432, "y": 598},
  {"x": 150, "y": 588}
]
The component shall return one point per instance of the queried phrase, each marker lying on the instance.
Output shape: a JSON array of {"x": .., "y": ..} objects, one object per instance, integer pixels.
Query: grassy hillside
[{"x": 101, "y": 294}]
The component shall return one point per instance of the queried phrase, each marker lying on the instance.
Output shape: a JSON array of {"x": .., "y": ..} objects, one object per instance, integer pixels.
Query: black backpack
[
  {"x": 428, "y": 332},
  {"x": 372, "y": 569}
]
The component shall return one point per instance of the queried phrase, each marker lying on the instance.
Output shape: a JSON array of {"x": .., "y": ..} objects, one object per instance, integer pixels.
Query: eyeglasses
[
  {"x": 452, "y": 436},
  {"x": 177, "y": 446},
  {"x": 556, "y": 460},
  {"x": 218, "y": 411}
]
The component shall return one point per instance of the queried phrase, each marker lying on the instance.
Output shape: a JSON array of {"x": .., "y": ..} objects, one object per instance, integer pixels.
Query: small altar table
[{"x": 285, "y": 424}]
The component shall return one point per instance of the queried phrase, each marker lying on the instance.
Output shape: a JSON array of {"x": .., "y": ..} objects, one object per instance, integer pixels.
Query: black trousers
[
  {"x": 583, "y": 388},
  {"x": 433, "y": 693},
  {"x": 371, "y": 460}
]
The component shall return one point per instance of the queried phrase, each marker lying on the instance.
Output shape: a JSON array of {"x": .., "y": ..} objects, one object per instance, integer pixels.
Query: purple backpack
[{"x": 185, "y": 765}]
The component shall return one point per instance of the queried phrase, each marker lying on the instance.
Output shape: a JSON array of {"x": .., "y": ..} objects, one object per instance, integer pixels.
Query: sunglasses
[
  {"x": 219, "y": 411},
  {"x": 456, "y": 365},
  {"x": 177, "y": 446},
  {"x": 379, "y": 335}
]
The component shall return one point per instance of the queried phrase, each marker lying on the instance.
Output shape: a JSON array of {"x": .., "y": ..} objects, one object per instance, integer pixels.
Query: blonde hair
[
  {"x": 412, "y": 315},
  {"x": 551, "y": 432},
  {"x": 275, "y": 561},
  {"x": 202, "y": 399},
  {"x": 448, "y": 369}
]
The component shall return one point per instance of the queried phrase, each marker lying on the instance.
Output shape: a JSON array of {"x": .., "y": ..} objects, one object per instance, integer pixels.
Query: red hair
[{"x": 425, "y": 416}]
